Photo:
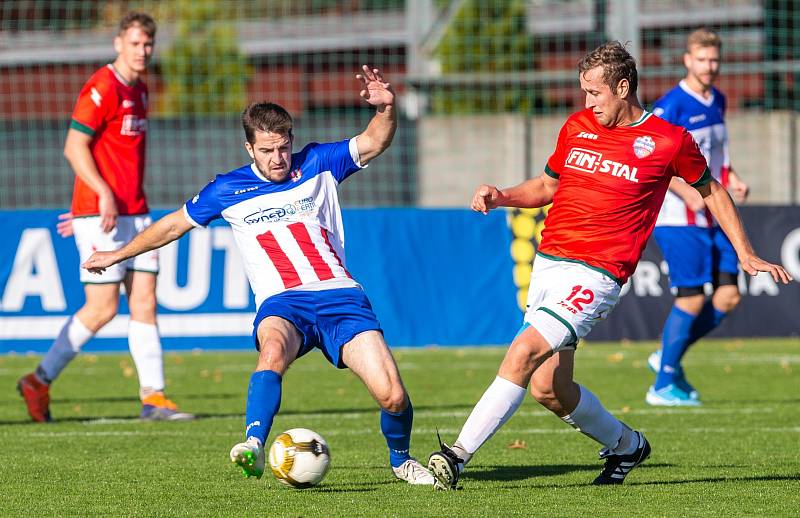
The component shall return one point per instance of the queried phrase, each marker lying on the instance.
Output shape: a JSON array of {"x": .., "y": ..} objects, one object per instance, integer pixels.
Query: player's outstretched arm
[
  {"x": 166, "y": 230},
  {"x": 380, "y": 131},
  {"x": 536, "y": 192},
  {"x": 721, "y": 205}
]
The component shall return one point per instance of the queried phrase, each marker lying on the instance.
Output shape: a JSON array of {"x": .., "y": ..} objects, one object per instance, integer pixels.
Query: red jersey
[
  {"x": 612, "y": 182},
  {"x": 115, "y": 114}
]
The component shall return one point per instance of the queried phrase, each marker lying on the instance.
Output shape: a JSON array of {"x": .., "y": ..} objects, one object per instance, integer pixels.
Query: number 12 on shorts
[{"x": 577, "y": 298}]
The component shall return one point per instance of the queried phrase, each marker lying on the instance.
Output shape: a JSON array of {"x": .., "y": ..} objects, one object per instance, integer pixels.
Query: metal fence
[{"x": 447, "y": 58}]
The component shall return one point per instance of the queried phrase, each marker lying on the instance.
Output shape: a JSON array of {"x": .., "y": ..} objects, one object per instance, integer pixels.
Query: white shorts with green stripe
[
  {"x": 90, "y": 238},
  {"x": 567, "y": 298}
]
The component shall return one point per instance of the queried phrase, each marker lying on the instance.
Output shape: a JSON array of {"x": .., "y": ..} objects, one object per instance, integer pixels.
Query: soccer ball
[{"x": 299, "y": 458}]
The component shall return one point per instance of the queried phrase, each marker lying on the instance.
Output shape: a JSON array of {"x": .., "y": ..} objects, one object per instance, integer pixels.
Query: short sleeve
[
  {"x": 340, "y": 158},
  {"x": 555, "y": 163},
  {"x": 97, "y": 102},
  {"x": 689, "y": 163},
  {"x": 204, "y": 207},
  {"x": 663, "y": 109}
]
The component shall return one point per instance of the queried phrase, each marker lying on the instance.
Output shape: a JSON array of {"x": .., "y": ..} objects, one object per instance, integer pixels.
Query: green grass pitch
[{"x": 738, "y": 455}]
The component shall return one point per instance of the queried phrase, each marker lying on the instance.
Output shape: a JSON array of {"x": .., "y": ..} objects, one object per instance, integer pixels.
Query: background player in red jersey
[
  {"x": 606, "y": 179},
  {"x": 105, "y": 147}
]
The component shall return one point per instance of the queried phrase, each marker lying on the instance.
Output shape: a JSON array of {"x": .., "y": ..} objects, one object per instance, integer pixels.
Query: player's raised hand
[
  {"x": 739, "y": 189},
  {"x": 486, "y": 198},
  {"x": 374, "y": 88},
  {"x": 99, "y": 261},
  {"x": 108, "y": 212},
  {"x": 64, "y": 225},
  {"x": 755, "y": 264}
]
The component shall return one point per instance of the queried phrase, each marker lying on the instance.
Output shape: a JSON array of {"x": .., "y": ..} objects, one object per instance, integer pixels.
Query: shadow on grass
[{"x": 763, "y": 478}]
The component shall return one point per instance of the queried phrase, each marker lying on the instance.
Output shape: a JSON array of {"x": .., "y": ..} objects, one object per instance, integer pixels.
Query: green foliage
[
  {"x": 204, "y": 70},
  {"x": 486, "y": 38}
]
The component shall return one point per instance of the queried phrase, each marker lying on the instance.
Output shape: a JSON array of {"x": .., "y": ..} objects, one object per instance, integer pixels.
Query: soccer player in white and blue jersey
[
  {"x": 284, "y": 212},
  {"x": 694, "y": 247}
]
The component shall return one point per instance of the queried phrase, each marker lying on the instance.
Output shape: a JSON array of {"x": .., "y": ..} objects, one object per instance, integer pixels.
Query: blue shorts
[
  {"x": 326, "y": 319},
  {"x": 695, "y": 254}
]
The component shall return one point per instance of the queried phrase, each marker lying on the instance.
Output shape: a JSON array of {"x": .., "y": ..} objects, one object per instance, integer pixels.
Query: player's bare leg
[
  {"x": 498, "y": 403},
  {"x": 144, "y": 343},
  {"x": 279, "y": 342},
  {"x": 368, "y": 356},
  {"x": 552, "y": 385},
  {"x": 101, "y": 306}
]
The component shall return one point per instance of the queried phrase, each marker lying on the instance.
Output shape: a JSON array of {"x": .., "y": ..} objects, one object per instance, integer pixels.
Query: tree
[
  {"x": 204, "y": 70},
  {"x": 486, "y": 37}
]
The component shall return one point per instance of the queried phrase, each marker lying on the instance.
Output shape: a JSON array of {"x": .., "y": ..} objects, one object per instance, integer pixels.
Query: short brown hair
[
  {"x": 265, "y": 116},
  {"x": 703, "y": 37},
  {"x": 145, "y": 21},
  {"x": 617, "y": 64}
]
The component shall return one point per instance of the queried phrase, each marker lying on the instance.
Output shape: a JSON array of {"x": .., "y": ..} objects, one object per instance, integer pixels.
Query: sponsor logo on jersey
[
  {"x": 587, "y": 135},
  {"x": 643, "y": 146},
  {"x": 588, "y": 161},
  {"x": 273, "y": 214},
  {"x": 296, "y": 175},
  {"x": 127, "y": 103},
  {"x": 133, "y": 125},
  {"x": 583, "y": 160},
  {"x": 242, "y": 191},
  {"x": 697, "y": 118},
  {"x": 196, "y": 198},
  {"x": 96, "y": 97}
]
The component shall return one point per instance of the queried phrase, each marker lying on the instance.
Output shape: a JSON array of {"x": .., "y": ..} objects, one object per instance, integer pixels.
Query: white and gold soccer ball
[{"x": 299, "y": 458}]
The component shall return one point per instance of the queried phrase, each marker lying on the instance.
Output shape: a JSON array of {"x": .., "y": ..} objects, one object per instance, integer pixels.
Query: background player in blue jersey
[
  {"x": 694, "y": 247},
  {"x": 284, "y": 211}
]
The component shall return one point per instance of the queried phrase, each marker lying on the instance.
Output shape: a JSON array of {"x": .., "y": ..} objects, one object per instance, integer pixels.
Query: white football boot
[
  {"x": 414, "y": 473},
  {"x": 249, "y": 455}
]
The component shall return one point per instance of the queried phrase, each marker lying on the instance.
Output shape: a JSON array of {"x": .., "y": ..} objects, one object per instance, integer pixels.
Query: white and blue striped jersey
[
  {"x": 290, "y": 234},
  {"x": 704, "y": 119}
]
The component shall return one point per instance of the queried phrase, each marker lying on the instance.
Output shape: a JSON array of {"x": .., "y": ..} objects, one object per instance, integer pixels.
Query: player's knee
[
  {"x": 394, "y": 400},
  {"x": 143, "y": 307},
  {"x": 96, "y": 316},
  {"x": 728, "y": 301},
  {"x": 272, "y": 355},
  {"x": 545, "y": 395}
]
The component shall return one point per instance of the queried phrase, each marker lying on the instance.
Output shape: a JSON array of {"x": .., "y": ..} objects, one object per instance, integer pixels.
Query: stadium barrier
[{"x": 435, "y": 277}]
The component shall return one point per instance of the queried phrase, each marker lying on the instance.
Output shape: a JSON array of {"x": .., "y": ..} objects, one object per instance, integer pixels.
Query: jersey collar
[
  {"x": 645, "y": 115},
  {"x": 258, "y": 173},
  {"x": 119, "y": 76},
  {"x": 702, "y": 100}
]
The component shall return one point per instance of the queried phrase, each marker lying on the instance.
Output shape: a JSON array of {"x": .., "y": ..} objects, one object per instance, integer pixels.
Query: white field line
[
  {"x": 428, "y": 414},
  {"x": 417, "y": 431},
  {"x": 300, "y": 366}
]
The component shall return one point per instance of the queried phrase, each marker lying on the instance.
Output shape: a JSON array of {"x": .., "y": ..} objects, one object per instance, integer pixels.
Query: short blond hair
[{"x": 703, "y": 37}]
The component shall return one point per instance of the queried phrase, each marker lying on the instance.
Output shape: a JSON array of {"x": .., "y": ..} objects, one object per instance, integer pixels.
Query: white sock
[
  {"x": 145, "y": 346},
  {"x": 65, "y": 347},
  {"x": 495, "y": 407},
  {"x": 593, "y": 420}
]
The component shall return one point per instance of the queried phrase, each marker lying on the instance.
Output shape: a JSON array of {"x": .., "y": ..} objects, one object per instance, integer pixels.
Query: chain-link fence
[{"x": 483, "y": 85}]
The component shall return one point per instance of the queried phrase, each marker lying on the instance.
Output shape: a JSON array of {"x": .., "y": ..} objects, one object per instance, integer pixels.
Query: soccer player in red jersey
[
  {"x": 606, "y": 180},
  {"x": 106, "y": 148}
]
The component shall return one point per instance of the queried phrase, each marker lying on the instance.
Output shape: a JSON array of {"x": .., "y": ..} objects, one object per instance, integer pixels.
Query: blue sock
[
  {"x": 396, "y": 427},
  {"x": 674, "y": 342},
  {"x": 263, "y": 402},
  {"x": 708, "y": 319}
]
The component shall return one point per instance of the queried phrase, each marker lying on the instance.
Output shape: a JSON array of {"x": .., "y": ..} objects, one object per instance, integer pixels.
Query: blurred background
[{"x": 483, "y": 86}]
